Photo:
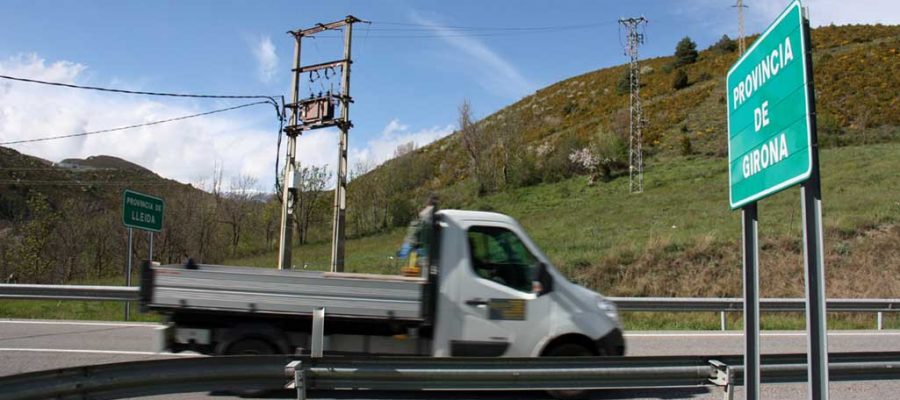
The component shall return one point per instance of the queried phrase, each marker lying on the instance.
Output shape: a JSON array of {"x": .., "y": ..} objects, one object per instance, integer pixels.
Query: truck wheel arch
[
  {"x": 264, "y": 332},
  {"x": 571, "y": 338}
]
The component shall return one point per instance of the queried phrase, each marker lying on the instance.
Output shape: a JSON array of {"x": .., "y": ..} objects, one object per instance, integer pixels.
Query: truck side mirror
[{"x": 543, "y": 280}]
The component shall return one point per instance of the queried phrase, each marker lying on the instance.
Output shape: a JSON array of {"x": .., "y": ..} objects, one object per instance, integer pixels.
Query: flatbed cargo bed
[{"x": 287, "y": 292}]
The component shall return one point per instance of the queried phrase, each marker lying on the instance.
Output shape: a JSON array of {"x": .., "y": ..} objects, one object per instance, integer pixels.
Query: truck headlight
[{"x": 608, "y": 308}]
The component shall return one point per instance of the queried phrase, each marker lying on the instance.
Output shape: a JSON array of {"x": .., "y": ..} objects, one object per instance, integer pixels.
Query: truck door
[{"x": 501, "y": 313}]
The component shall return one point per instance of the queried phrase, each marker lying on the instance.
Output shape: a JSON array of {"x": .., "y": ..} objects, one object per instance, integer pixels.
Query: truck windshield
[{"x": 499, "y": 255}]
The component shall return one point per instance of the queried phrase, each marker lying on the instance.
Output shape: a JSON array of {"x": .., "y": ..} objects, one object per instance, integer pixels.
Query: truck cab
[{"x": 499, "y": 295}]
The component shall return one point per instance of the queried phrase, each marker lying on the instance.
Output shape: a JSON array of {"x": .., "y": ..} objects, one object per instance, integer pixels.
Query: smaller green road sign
[
  {"x": 142, "y": 211},
  {"x": 769, "y": 127}
]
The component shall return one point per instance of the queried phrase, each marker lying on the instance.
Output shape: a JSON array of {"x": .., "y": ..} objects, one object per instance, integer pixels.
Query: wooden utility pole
[{"x": 314, "y": 113}]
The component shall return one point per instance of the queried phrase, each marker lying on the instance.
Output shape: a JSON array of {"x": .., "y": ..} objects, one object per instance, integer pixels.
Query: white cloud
[
  {"x": 182, "y": 150},
  {"x": 492, "y": 71},
  {"x": 266, "y": 59},
  {"x": 760, "y": 13},
  {"x": 380, "y": 149},
  {"x": 839, "y": 12}
]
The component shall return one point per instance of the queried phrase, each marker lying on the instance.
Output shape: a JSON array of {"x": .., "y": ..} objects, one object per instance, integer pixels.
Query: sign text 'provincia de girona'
[{"x": 769, "y": 127}]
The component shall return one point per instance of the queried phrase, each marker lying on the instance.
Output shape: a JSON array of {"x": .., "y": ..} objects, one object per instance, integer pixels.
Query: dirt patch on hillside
[{"x": 862, "y": 264}]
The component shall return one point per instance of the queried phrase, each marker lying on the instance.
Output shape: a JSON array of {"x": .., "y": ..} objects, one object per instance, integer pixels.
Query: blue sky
[{"x": 412, "y": 68}]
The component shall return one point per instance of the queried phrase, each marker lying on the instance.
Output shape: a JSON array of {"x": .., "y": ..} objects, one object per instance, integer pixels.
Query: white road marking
[
  {"x": 86, "y": 323},
  {"x": 118, "y": 352},
  {"x": 764, "y": 334}
]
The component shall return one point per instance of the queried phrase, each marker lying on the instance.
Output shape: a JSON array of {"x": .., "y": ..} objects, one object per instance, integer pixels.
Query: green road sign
[
  {"x": 769, "y": 127},
  {"x": 142, "y": 211}
]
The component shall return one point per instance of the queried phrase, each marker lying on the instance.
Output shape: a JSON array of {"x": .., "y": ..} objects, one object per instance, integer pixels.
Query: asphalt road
[{"x": 38, "y": 345}]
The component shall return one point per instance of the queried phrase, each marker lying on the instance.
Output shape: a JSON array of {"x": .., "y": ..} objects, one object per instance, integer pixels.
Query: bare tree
[
  {"x": 313, "y": 180},
  {"x": 474, "y": 143},
  {"x": 271, "y": 217},
  {"x": 237, "y": 205},
  {"x": 208, "y": 210},
  {"x": 404, "y": 149}
]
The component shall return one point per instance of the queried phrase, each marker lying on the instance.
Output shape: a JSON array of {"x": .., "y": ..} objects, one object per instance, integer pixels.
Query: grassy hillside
[
  {"x": 680, "y": 238},
  {"x": 856, "y": 75}
]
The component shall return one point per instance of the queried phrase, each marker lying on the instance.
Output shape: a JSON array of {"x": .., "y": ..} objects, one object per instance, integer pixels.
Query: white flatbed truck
[{"x": 486, "y": 290}]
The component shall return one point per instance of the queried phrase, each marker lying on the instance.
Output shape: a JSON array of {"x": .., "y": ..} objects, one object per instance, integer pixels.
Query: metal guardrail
[
  {"x": 724, "y": 305},
  {"x": 68, "y": 292},
  {"x": 246, "y": 373},
  {"x": 737, "y": 304},
  {"x": 411, "y": 374},
  {"x": 661, "y": 304},
  {"x": 146, "y": 378}
]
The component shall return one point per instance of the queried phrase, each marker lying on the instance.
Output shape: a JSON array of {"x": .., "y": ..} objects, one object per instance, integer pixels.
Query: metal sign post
[
  {"x": 128, "y": 271},
  {"x": 811, "y": 200},
  {"x": 751, "y": 300}
]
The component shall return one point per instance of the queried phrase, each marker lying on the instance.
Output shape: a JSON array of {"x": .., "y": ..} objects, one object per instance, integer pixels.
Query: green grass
[
  {"x": 78, "y": 310},
  {"x": 74, "y": 310},
  {"x": 685, "y": 200},
  {"x": 642, "y": 321},
  {"x": 371, "y": 254}
]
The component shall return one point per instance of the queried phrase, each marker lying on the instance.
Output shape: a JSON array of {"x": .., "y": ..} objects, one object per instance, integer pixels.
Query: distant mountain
[
  {"x": 63, "y": 221},
  {"x": 98, "y": 180},
  {"x": 101, "y": 162}
]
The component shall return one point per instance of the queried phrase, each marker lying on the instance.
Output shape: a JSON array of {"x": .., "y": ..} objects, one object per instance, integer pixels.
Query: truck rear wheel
[
  {"x": 246, "y": 347},
  {"x": 250, "y": 347},
  {"x": 569, "y": 350}
]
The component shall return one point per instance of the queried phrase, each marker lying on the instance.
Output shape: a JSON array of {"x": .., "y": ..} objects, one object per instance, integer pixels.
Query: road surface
[{"x": 38, "y": 345}]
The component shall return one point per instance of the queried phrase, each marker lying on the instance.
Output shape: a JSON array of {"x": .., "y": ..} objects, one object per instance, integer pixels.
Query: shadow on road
[{"x": 608, "y": 394}]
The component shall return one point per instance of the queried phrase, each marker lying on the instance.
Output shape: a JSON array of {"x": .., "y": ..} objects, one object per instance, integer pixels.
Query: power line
[
  {"x": 487, "y": 28},
  {"x": 269, "y": 99},
  {"x": 451, "y": 34},
  {"x": 133, "y": 126},
  {"x": 85, "y": 183},
  {"x": 102, "y": 89},
  {"x": 430, "y": 31}
]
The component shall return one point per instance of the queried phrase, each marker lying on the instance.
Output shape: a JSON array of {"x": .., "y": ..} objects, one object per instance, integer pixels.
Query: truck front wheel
[{"x": 568, "y": 350}]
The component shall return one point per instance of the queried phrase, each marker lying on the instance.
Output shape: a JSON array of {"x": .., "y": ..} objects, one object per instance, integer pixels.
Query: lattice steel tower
[
  {"x": 634, "y": 39},
  {"x": 740, "y": 7}
]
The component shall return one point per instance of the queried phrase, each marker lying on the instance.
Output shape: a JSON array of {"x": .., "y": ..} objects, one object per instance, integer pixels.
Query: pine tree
[{"x": 685, "y": 52}]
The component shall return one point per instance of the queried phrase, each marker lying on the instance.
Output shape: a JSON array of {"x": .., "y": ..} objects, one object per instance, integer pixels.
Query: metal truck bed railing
[{"x": 286, "y": 292}]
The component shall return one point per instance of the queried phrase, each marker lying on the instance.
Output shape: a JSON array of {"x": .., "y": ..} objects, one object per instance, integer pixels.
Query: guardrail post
[
  {"x": 318, "y": 333},
  {"x": 724, "y": 378},
  {"x": 722, "y": 321},
  {"x": 295, "y": 370},
  {"x": 880, "y": 315}
]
